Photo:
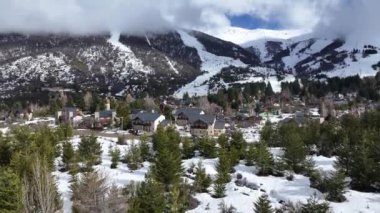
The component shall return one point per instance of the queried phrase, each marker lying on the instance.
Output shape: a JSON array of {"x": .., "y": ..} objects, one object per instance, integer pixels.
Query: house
[
  {"x": 105, "y": 118},
  {"x": 202, "y": 125},
  {"x": 299, "y": 118},
  {"x": 66, "y": 115},
  {"x": 219, "y": 128},
  {"x": 314, "y": 115},
  {"x": 147, "y": 121},
  {"x": 183, "y": 116}
]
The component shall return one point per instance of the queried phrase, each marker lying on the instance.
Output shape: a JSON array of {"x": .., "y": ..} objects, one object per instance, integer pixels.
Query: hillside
[{"x": 158, "y": 64}]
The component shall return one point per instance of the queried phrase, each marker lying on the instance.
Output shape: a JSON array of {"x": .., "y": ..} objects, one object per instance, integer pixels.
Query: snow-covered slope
[
  {"x": 158, "y": 64},
  {"x": 242, "y": 36},
  {"x": 211, "y": 65},
  {"x": 127, "y": 54},
  {"x": 309, "y": 56}
]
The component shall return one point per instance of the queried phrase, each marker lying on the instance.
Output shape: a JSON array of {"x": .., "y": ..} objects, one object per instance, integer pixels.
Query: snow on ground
[
  {"x": 4, "y": 130},
  {"x": 324, "y": 163},
  {"x": 242, "y": 198},
  {"x": 120, "y": 176},
  {"x": 211, "y": 64}
]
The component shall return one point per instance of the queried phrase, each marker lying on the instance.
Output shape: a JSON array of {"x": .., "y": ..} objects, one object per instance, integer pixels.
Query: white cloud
[
  {"x": 136, "y": 16},
  {"x": 356, "y": 20}
]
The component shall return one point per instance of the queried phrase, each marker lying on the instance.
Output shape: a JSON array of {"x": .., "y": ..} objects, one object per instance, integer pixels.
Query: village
[{"x": 191, "y": 117}]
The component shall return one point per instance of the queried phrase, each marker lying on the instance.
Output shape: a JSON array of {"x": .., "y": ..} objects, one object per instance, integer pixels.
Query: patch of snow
[
  {"x": 127, "y": 54},
  {"x": 243, "y": 36},
  {"x": 171, "y": 65},
  {"x": 211, "y": 64}
]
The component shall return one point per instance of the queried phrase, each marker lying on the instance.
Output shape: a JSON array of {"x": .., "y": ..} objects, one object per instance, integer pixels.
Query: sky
[{"x": 331, "y": 17}]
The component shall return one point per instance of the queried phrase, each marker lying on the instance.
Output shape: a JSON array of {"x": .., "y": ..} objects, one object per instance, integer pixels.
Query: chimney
[{"x": 108, "y": 104}]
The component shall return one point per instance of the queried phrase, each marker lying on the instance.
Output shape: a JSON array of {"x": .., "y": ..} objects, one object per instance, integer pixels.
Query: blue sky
[{"x": 252, "y": 22}]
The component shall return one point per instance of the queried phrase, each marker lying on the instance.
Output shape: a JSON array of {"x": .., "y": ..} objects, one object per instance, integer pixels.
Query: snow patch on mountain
[
  {"x": 243, "y": 36},
  {"x": 171, "y": 65},
  {"x": 211, "y": 65},
  {"x": 127, "y": 54}
]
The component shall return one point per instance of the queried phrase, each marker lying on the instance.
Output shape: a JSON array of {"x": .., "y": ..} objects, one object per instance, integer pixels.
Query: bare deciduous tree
[
  {"x": 91, "y": 194},
  {"x": 39, "y": 190},
  {"x": 149, "y": 103},
  {"x": 87, "y": 100}
]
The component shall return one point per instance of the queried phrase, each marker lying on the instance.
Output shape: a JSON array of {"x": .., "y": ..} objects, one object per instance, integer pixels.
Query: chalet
[
  {"x": 300, "y": 118},
  {"x": 147, "y": 121},
  {"x": 184, "y": 115},
  {"x": 202, "y": 125},
  {"x": 105, "y": 118},
  {"x": 66, "y": 115},
  {"x": 219, "y": 128},
  {"x": 314, "y": 115}
]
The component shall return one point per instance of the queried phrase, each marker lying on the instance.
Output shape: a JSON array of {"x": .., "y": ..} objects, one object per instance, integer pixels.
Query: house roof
[
  {"x": 147, "y": 116},
  {"x": 106, "y": 113},
  {"x": 69, "y": 109},
  {"x": 189, "y": 112},
  {"x": 136, "y": 111},
  {"x": 209, "y": 119},
  {"x": 219, "y": 124},
  {"x": 166, "y": 122}
]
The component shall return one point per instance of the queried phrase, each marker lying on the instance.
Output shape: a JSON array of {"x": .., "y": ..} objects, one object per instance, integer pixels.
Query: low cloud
[
  {"x": 329, "y": 17},
  {"x": 354, "y": 20}
]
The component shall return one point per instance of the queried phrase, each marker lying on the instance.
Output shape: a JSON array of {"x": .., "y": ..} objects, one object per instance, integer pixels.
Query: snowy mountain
[
  {"x": 174, "y": 62},
  {"x": 154, "y": 63},
  {"x": 307, "y": 56}
]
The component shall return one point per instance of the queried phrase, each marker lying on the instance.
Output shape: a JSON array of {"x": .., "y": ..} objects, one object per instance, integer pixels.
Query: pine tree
[
  {"x": 263, "y": 205},
  {"x": 149, "y": 197},
  {"x": 238, "y": 143},
  {"x": 89, "y": 151},
  {"x": 10, "y": 191},
  {"x": 6, "y": 150},
  {"x": 167, "y": 168},
  {"x": 133, "y": 157},
  {"x": 65, "y": 131},
  {"x": 223, "y": 167},
  {"x": 178, "y": 198},
  {"x": 201, "y": 181},
  {"x": 295, "y": 152},
  {"x": 344, "y": 156},
  {"x": 207, "y": 147},
  {"x": 263, "y": 159},
  {"x": 314, "y": 206},
  {"x": 219, "y": 188},
  {"x": 363, "y": 171},
  {"x": 188, "y": 148},
  {"x": 68, "y": 155},
  {"x": 223, "y": 141},
  {"x": 250, "y": 155},
  {"x": 335, "y": 187},
  {"x": 268, "y": 90},
  {"x": 144, "y": 147},
  {"x": 115, "y": 157},
  {"x": 267, "y": 132}
]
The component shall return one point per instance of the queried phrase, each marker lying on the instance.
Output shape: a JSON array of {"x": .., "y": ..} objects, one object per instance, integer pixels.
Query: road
[{"x": 85, "y": 132}]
